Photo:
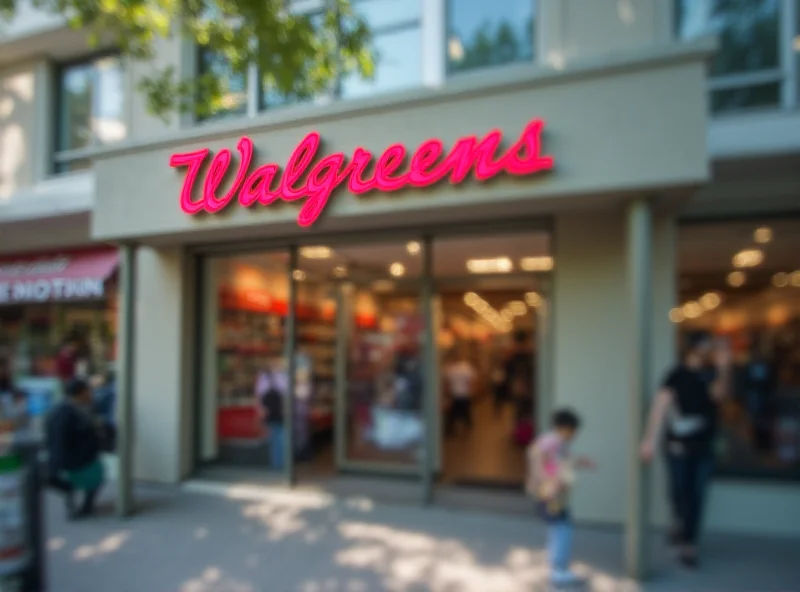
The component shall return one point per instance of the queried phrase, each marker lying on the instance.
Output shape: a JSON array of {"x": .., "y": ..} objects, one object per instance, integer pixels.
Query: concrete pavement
[{"x": 254, "y": 539}]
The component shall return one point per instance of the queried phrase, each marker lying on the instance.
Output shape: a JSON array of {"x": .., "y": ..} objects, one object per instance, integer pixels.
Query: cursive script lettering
[{"x": 481, "y": 157}]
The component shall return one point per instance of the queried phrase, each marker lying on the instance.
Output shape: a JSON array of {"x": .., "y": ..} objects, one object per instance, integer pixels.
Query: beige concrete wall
[
  {"x": 161, "y": 375},
  {"x": 610, "y": 143},
  {"x": 590, "y": 358},
  {"x": 754, "y": 508},
  {"x": 17, "y": 128},
  {"x": 591, "y": 355},
  {"x": 141, "y": 124}
]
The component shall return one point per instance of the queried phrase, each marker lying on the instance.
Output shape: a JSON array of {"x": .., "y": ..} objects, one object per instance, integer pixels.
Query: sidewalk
[{"x": 272, "y": 540}]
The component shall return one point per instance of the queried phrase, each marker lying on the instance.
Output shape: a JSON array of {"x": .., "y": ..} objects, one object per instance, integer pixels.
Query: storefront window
[
  {"x": 397, "y": 45},
  {"x": 742, "y": 282},
  {"x": 746, "y": 70},
  {"x": 90, "y": 109},
  {"x": 245, "y": 423},
  {"x": 482, "y": 34}
]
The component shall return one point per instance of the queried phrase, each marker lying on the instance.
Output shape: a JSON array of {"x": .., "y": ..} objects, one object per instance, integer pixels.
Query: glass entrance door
[{"x": 493, "y": 355}]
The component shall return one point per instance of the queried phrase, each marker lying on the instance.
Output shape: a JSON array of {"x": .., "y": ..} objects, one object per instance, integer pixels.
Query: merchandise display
[
  {"x": 31, "y": 336},
  {"x": 251, "y": 336},
  {"x": 760, "y": 421}
]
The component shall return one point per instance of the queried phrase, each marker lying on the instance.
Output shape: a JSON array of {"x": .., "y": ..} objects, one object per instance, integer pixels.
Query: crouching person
[{"x": 75, "y": 443}]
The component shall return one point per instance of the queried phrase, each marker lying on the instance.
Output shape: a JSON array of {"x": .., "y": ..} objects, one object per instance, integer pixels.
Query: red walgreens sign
[{"x": 429, "y": 164}]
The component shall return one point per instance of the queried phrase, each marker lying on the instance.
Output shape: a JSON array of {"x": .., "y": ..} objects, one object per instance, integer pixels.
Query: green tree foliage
[{"x": 296, "y": 55}]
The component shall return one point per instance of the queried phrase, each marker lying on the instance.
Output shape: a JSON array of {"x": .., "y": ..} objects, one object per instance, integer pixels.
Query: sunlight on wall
[{"x": 12, "y": 157}]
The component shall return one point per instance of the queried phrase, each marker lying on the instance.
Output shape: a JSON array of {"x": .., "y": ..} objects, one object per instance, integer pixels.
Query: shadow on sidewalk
[{"x": 267, "y": 539}]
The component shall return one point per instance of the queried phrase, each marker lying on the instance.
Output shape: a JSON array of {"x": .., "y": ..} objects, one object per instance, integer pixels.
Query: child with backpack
[{"x": 551, "y": 474}]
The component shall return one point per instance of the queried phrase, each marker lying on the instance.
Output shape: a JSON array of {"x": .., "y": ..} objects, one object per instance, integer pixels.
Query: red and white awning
[{"x": 56, "y": 277}]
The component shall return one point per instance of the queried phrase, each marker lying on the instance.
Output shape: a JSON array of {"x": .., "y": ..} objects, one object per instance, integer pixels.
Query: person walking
[
  {"x": 687, "y": 403},
  {"x": 461, "y": 378},
  {"x": 74, "y": 445}
]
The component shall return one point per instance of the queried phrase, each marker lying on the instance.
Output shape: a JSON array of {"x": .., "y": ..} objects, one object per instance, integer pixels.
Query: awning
[{"x": 56, "y": 277}]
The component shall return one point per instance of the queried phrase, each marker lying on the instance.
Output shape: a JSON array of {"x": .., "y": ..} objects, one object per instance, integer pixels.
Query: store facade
[{"x": 556, "y": 165}]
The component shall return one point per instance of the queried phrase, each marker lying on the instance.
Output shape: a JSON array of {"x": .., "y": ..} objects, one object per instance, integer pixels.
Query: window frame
[
  {"x": 223, "y": 115},
  {"x": 59, "y": 157},
  {"x": 535, "y": 47},
  {"x": 255, "y": 90},
  {"x": 785, "y": 73}
]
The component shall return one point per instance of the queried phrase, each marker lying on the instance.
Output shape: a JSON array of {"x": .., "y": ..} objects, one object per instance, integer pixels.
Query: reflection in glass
[
  {"x": 234, "y": 99},
  {"x": 398, "y": 65},
  {"x": 735, "y": 99},
  {"x": 385, "y": 381},
  {"x": 271, "y": 98},
  {"x": 481, "y": 34},
  {"x": 396, "y": 45},
  {"x": 748, "y": 32},
  {"x": 759, "y": 422},
  {"x": 92, "y": 101}
]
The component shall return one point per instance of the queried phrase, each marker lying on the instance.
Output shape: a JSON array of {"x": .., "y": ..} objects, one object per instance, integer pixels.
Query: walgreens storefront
[{"x": 347, "y": 254}]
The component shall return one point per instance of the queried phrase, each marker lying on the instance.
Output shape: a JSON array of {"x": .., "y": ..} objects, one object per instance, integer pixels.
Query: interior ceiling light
[
  {"x": 533, "y": 299},
  {"x": 780, "y": 280},
  {"x": 676, "y": 315},
  {"x": 763, "y": 235},
  {"x": 413, "y": 248},
  {"x": 518, "y": 308},
  {"x": 316, "y": 252},
  {"x": 299, "y": 275},
  {"x": 795, "y": 279},
  {"x": 340, "y": 271},
  {"x": 692, "y": 310},
  {"x": 748, "y": 258},
  {"x": 710, "y": 300},
  {"x": 736, "y": 279},
  {"x": 497, "y": 265},
  {"x": 537, "y": 263},
  {"x": 397, "y": 269}
]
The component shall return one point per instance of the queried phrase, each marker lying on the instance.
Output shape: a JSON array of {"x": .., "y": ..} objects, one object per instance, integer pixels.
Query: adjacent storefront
[{"x": 46, "y": 298}]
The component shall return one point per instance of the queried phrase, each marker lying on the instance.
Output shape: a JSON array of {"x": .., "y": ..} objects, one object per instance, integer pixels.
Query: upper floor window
[
  {"x": 234, "y": 96},
  {"x": 269, "y": 98},
  {"x": 91, "y": 105},
  {"x": 746, "y": 71},
  {"x": 482, "y": 33},
  {"x": 395, "y": 27},
  {"x": 397, "y": 46}
]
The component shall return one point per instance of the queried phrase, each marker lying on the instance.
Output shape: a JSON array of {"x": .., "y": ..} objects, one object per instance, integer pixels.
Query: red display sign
[{"x": 428, "y": 164}]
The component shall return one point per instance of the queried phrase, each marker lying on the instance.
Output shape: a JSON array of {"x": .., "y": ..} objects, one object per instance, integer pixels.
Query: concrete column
[
  {"x": 639, "y": 253},
  {"x": 125, "y": 367},
  {"x": 290, "y": 354},
  {"x": 429, "y": 395}
]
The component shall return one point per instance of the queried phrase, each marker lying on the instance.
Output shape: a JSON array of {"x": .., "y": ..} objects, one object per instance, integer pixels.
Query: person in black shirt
[{"x": 687, "y": 404}]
